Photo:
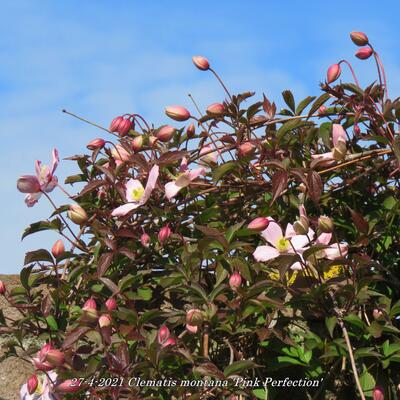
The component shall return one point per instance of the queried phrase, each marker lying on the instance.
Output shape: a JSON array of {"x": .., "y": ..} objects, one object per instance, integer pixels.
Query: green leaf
[
  {"x": 42, "y": 226},
  {"x": 324, "y": 133},
  {"x": 261, "y": 394},
  {"x": 24, "y": 277},
  {"x": 223, "y": 169},
  {"x": 145, "y": 293},
  {"x": 52, "y": 323},
  {"x": 354, "y": 320},
  {"x": 367, "y": 382},
  {"x": 238, "y": 366},
  {"x": 303, "y": 104},
  {"x": 318, "y": 103},
  {"x": 330, "y": 323},
  {"x": 289, "y": 99},
  {"x": 38, "y": 255}
]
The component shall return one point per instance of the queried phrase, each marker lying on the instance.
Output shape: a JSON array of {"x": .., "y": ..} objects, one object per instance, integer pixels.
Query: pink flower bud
[
  {"x": 246, "y": 149},
  {"x": 322, "y": 110},
  {"x": 96, "y": 144},
  {"x": 191, "y": 328},
  {"x": 216, "y": 110},
  {"x": 152, "y": 141},
  {"x": 356, "y": 129},
  {"x": 145, "y": 239},
  {"x": 194, "y": 317},
  {"x": 124, "y": 127},
  {"x": 119, "y": 153},
  {"x": 115, "y": 124},
  {"x": 58, "y": 248},
  {"x": 55, "y": 357},
  {"x": 77, "y": 214},
  {"x": 32, "y": 384},
  {"x": 164, "y": 234},
  {"x": 359, "y": 38},
  {"x": 111, "y": 304},
  {"x": 191, "y": 130},
  {"x": 235, "y": 280},
  {"x": 90, "y": 305},
  {"x": 364, "y": 53},
  {"x": 325, "y": 224},
  {"x": 163, "y": 334},
  {"x": 377, "y": 314},
  {"x": 137, "y": 143},
  {"x": 259, "y": 224},
  {"x": 169, "y": 342},
  {"x": 201, "y": 63},
  {"x": 301, "y": 226},
  {"x": 68, "y": 386},
  {"x": 165, "y": 133},
  {"x": 378, "y": 393},
  {"x": 104, "y": 320},
  {"x": 28, "y": 184},
  {"x": 333, "y": 73},
  {"x": 2, "y": 288},
  {"x": 177, "y": 113}
]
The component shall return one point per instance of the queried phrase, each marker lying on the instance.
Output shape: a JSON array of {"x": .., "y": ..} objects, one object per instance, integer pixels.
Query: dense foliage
[{"x": 250, "y": 243}]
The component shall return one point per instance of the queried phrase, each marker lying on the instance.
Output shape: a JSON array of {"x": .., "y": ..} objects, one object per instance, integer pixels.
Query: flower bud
[
  {"x": 364, "y": 53},
  {"x": 215, "y": 110},
  {"x": 178, "y": 113},
  {"x": 333, "y": 73},
  {"x": 152, "y": 141},
  {"x": 77, "y": 214},
  {"x": 111, "y": 304},
  {"x": 137, "y": 143},
  {"x": 145, "y": 239},
  {"x": 119, "y": 153},
  {"x": 96, "y": 144},
  {"x": 356, "y": 129},
  {"x": 325, "y": 224},
  {"x": 32, "y": 384},
  {"x": 68, "y": 386},
  {"x": 301, "y": 226},
  {"x": 2, "y": 288},
  {"x": 115, "y": 124},
  {"x": 121, "y": 126},
  {"x": 190, "y": 131},
  {"x": 169, "y": 342},
  {"x": 163, "y": 334},
  {"x": 164, "y": 234},
  {"x": 90, "y": 305},
  {"x": 359, "y": 38},
  {"x": 340, "y": 150},
  {"x": 194, "y": 317},
  {"x": 58, "y": 248},
  {"x": 104, "y": 320},
  {"x": 201, "y": 63},
  {"x": 207, "y": 155},
  {"x": 165, "y": 133},
  {"x": 378, "y": 393},
  {"x": 55, "y": 357},
  {"x": 191, "y": 328},
  {"x": 377, "y": 314},
  {"x": 322, "y": 110},
  {"x": 235, "y": 280},
  {"x": 28, "y": 184},
  {"x": 259, "y": 224},
  {"x": 246, "y": 149}
]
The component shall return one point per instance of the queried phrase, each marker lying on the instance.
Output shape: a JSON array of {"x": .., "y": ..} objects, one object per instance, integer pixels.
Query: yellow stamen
[
  {"x": 137, "y": 193},
  {"x": 282, "y": 244}
]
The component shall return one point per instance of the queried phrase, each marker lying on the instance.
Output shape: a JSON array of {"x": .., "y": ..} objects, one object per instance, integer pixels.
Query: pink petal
[
  {"x": 299, "y": 241},
  {"x": 38, "y": 168},
  {"x": 296, "y": 266},
  {"x": 124, "y": 209},
  {"x": 265, "y": 253},
  {"x": 28, "y": 184},
  {"x": 338, "y": 133},
  {"x": 184, "y": 164},
  {"x": 324, "y": 238},
  {"x": 32, "y": 198},
  {"x": 51, "y": 185},
  {"x": 289, "y": 231},
  {"x": 272, "y": 233},
  {"x": 172, "y": 189},
  {"x": 55, "y": 161},
  {"x": 192, "y": 328},
  {"x": 151, "y": 183},
  {"x": 195, "y": 173},
  {"x": 333, "y": 252}
]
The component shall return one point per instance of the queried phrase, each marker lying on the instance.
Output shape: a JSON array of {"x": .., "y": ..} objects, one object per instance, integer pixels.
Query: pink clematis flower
[
  {"x": 289, "y": 243},
  {"x": 43, "y": 181},
  {"x": 339, "y": 147},
  {"x": 44, "y": 389},
  {"x": 40, "y": 362},
  {"x": 188, "y": 175},
  {"x": 335, "y": 250},
  {"x": 136, "y": 194}
]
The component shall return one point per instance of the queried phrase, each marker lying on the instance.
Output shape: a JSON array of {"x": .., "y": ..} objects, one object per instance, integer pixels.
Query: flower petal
[
  {"x": 333, "y": 252},
  {"x": 28, "y": 184},
  {"x": 151, "y": 183},
  {"x": 324, "y": 238},
  {"x": 55, "y": 161},
  {"x": 299, "y": 241},
  {"x": 338, "y": 133},
  {"x": 195, "y": 173},
  {"x": 124, "y": 209},
  {"x": 32, "y": 198},
  {"x": 272, "y": 233},
  {"x": 265, "y": 253},
  {"x": 171, "y": 189}
]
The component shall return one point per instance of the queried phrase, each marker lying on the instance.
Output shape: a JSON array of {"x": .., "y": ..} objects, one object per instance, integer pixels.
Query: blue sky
[{"x": 104, "y": 58}]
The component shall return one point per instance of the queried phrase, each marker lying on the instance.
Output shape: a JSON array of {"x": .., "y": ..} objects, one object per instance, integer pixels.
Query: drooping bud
[
  {"x": 190, "y": 131},
  {"x": 68, "y": 386},
  {"x": 359, "y": 38},
  {"x": 301, "y": 226},
  {"x": 120, "y": 125},
  {"x": 119, "y": 153},
  {"x": 164, "y": 234},
  {"x": 364, "y": 53},
  {"x": 77, "y": 214},
  {"x": 90, "y": 304},
  {"x": 111, "y": 304},
  {"x": 194, "y": 317},
  {"x": 2, "y": 288},
  {"x": 246, "y": 149},
  {"x": 55, "y": 357},
  {"x": 137, "y": 143},
  {"x": 178, "y": 113},
  {"x": 215, "y": 110},
  {"x": 377, "y": 313},
  {"x": 325, "y": 224},
  {"x": 145, "y": 239},
  {"x": 28, "y": 184},
  {"x": 90, "y": 313},
  {"x": 201, "y": 63},
  {"x": 169, "y": 342},
  {"x": 163, "y": 334},
  {"x": 32, "y": 384},
  {"x": 104, "y": 320},
  {"x": 259, "y": 224},
  {"x": 96, "y": 144},
  {"x": 58, "y": 248},
  {"x": 378, "y": 393},
  {"x": 115, "y": 124},
  {"x": 235, "y": 280},
  {"x": 333, "y": 73},
  {"x": 165, "y": 133}
]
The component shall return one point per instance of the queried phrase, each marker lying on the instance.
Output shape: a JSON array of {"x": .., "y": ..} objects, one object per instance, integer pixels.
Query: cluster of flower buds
[
  {"x": 121, "y": 125},
  {"x": 164, "y": 337}
]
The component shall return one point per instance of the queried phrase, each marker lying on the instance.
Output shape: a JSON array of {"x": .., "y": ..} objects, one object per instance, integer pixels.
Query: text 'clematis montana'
[
  {"x": 290, "y": 243},
  {"x": 188, "y": 175},
  {"x": 136, "y": 194},
  {"x": 44, "y": 181}
]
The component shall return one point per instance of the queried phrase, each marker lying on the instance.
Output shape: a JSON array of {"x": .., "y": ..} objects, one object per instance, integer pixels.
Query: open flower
[
  {"x": 289, "y": 243},
  {"x": 136, "y": 194},
  {"x": 43, "y": 181},
  {"x": 188, "y": 175},
  {"x": 44, "y": 389}
]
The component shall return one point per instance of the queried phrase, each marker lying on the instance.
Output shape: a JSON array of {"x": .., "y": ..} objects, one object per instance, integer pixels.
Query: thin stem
[
  {"x": 352, "y": 71},
  {"x": 222, "y": 83}
]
